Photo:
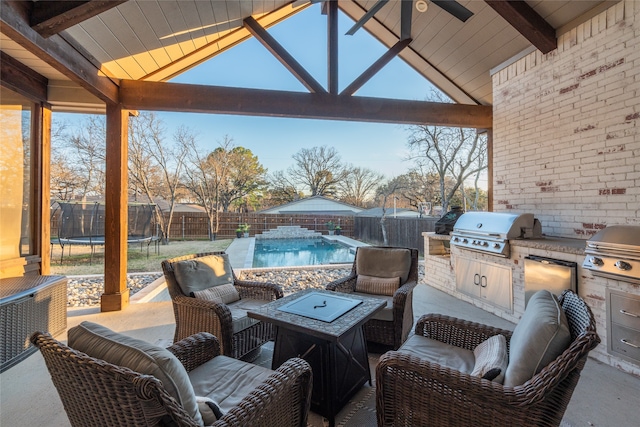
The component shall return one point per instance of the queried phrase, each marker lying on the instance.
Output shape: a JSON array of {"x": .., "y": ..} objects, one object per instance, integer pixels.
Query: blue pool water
[{"x": 292, "y": 252}]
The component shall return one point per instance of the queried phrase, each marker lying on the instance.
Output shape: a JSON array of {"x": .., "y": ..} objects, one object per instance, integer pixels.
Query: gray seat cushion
[
  {"x": 226, "y": 380},
  {"x": 386, "y": 313},
  {"x": 239, "y": 309},
  {"x": 139, "y": 356},
  {"x": 438, "y": 352},
  {"x": 541, "y": 335}
]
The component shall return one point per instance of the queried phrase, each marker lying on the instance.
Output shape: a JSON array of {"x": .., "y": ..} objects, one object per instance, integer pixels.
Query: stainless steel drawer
[
  {"x": 625, "y": 310},
  {"x": 625, "y": 342}
]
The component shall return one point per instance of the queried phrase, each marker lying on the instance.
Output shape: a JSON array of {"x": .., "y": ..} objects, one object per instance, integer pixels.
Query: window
[{"x": 16, "y": 169}]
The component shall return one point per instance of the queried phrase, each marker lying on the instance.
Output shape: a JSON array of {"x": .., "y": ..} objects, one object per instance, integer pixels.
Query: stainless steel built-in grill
[
  {"x": 614, "y": 252},
  {"x": 490, "y": 232}
]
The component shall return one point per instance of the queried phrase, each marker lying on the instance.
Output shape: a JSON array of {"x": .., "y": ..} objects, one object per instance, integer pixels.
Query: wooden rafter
[
  {"x": 22, "y": 79},
  {"x": 51, "y": 17},
  {"x": 375, "y": 67},
  {"x": 527, "y": 22},
  {"x": 55, "y": 52},
  {"x": 178, "y": 97},
  {"x": 332, "y": 46},
  {"x": 282, "y": 55}
]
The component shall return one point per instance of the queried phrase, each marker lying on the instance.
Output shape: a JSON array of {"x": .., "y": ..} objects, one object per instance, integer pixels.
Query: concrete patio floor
[{"x": 604, "y": 396}]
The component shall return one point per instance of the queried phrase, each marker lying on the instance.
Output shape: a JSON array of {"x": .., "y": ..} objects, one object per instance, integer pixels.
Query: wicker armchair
[
  {"x": 394, "y": 327},
  {"x": 96, "y": 393},
  {"x": 413, "y": 391},
  {"x": 194, "y": 315}
]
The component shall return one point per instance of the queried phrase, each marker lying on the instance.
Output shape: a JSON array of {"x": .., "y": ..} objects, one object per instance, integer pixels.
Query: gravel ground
[{"x": 86, "y": 291}]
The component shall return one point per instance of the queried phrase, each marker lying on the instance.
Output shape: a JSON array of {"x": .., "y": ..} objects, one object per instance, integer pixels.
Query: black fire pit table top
[{"x": 295, "y": 312}]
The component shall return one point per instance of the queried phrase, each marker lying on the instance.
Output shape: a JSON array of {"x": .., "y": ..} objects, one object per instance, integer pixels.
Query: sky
[{"x": 381, "y": 147}]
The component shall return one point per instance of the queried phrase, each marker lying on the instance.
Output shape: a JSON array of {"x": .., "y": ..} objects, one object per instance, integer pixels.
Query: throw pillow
[
  {"x": 204, "y": 272},
  {"x": 139, "y": 356},
  {"x": 377, "y": 285},
  {"x": 541, "y": 335},
  {"x": 225, "y": 294},
  {"x": 209, "y": 410},
  {"x": 383, "y": 262},
  {"x": 491, "y": 354}
]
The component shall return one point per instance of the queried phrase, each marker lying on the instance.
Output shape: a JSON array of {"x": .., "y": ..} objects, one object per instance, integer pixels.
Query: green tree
[
  {"x": 281, "y": 190},
  {"x": 244, "y": 176}
]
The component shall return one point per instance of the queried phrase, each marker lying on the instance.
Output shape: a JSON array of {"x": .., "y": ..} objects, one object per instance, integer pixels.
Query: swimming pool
[{"x": 293, "y": 252}]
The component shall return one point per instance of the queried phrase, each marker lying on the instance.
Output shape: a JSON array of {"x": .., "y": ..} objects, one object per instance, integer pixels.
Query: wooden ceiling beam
[
  {"x": 375, "y": 67},
  {"x": 177, "y": 97},
  {"x": 14, "y": 17},
  {"x": 527, "y": 22},
  {"x": 52, "y": 17},
  {"x": 22, "y": 79},
  {"x": 283, "y": 56}
]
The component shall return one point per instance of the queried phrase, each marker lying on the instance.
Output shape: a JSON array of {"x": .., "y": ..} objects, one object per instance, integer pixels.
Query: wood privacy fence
[
  {"x": 406, "y": 232},
  {"x": 195, "y": 226}
]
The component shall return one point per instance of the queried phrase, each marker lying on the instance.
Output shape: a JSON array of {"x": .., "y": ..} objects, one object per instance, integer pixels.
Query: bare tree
[
  {"x": 384, "y": 193},
  {"x": 319, "y": 168},
  {"x": 359, "y": 185},
  {"x": 454, "y": 153},
  {"x": 155, "y": 165},
  {"x": 203, "y": 176},
  {"x": 451, "y": 154},
  {"x": 81, "y": 170}
]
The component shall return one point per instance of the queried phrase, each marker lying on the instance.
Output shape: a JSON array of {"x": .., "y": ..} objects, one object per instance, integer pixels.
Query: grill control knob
[
  {"x": 465, "y": 241},
  {"x": 596, "y": 261},
  {"x": 485, "y": 244},
  {"x": 496, "y": 245},
  {"x": 621, "y": 265}
]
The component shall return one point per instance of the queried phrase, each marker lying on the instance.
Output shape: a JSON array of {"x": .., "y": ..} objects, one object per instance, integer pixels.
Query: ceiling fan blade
[
  {"x": 376, "y": 7},
  {"x": 454, "y": 8},
  {"x": 405, "y": 19}
]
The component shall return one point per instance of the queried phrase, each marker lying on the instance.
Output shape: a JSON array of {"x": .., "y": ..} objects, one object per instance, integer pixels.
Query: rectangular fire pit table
[{"x": 335, "y": 349}]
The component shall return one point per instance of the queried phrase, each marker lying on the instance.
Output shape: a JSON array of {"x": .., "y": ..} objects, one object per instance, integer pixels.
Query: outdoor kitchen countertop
[{"x": 558, "y": 244}]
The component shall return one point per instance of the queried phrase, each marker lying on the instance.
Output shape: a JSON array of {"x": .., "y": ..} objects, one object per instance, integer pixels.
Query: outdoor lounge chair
[
  {"x": 240, "y": 336},
  {"x": 95, "y": 392},
  {"x": 380, "y": 266},
  {"x": 414, "y": 387}
]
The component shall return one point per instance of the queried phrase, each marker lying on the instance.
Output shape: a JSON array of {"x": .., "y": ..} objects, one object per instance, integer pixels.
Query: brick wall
[{"x": 566, "y": 139}]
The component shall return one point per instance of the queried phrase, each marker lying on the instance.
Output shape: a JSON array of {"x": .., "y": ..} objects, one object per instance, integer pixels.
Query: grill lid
[
  {"x": 616, "y": 238},
  {"x": 489, "y": 232},
  {"x": 496, "y": 224},
  {"x": 614, "y": 252}
]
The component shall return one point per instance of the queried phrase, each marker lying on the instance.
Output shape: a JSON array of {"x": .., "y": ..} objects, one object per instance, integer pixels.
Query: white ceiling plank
[
  {"x": 130, "y": 40},
  {"x": 140, "y": 23},
  {"x": 173, "y": 15}
]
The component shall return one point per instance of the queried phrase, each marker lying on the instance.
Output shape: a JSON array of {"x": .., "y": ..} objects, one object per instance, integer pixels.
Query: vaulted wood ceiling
[{"x": 154, "y": 40}]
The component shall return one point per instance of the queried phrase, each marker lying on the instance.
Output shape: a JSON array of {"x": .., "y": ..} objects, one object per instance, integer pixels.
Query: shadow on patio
[{"x": 604, "y": 396}]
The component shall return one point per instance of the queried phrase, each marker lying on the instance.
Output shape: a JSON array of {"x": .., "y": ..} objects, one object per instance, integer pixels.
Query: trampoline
[{"x": 82, "y": 223}]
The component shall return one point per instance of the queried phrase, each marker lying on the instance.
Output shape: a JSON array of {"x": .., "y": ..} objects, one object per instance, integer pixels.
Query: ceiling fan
[{"x": 451, "y": 6}]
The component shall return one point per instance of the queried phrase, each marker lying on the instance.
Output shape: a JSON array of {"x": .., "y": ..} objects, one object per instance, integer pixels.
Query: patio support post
[
  {"x": 42, "y": 193},
  {"x": 116, "y": 293},
  {"x": 490, "y": 169}
]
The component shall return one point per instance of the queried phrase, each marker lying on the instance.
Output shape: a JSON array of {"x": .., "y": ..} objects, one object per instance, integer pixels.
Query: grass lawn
[{"x": 78, "y": 262}]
